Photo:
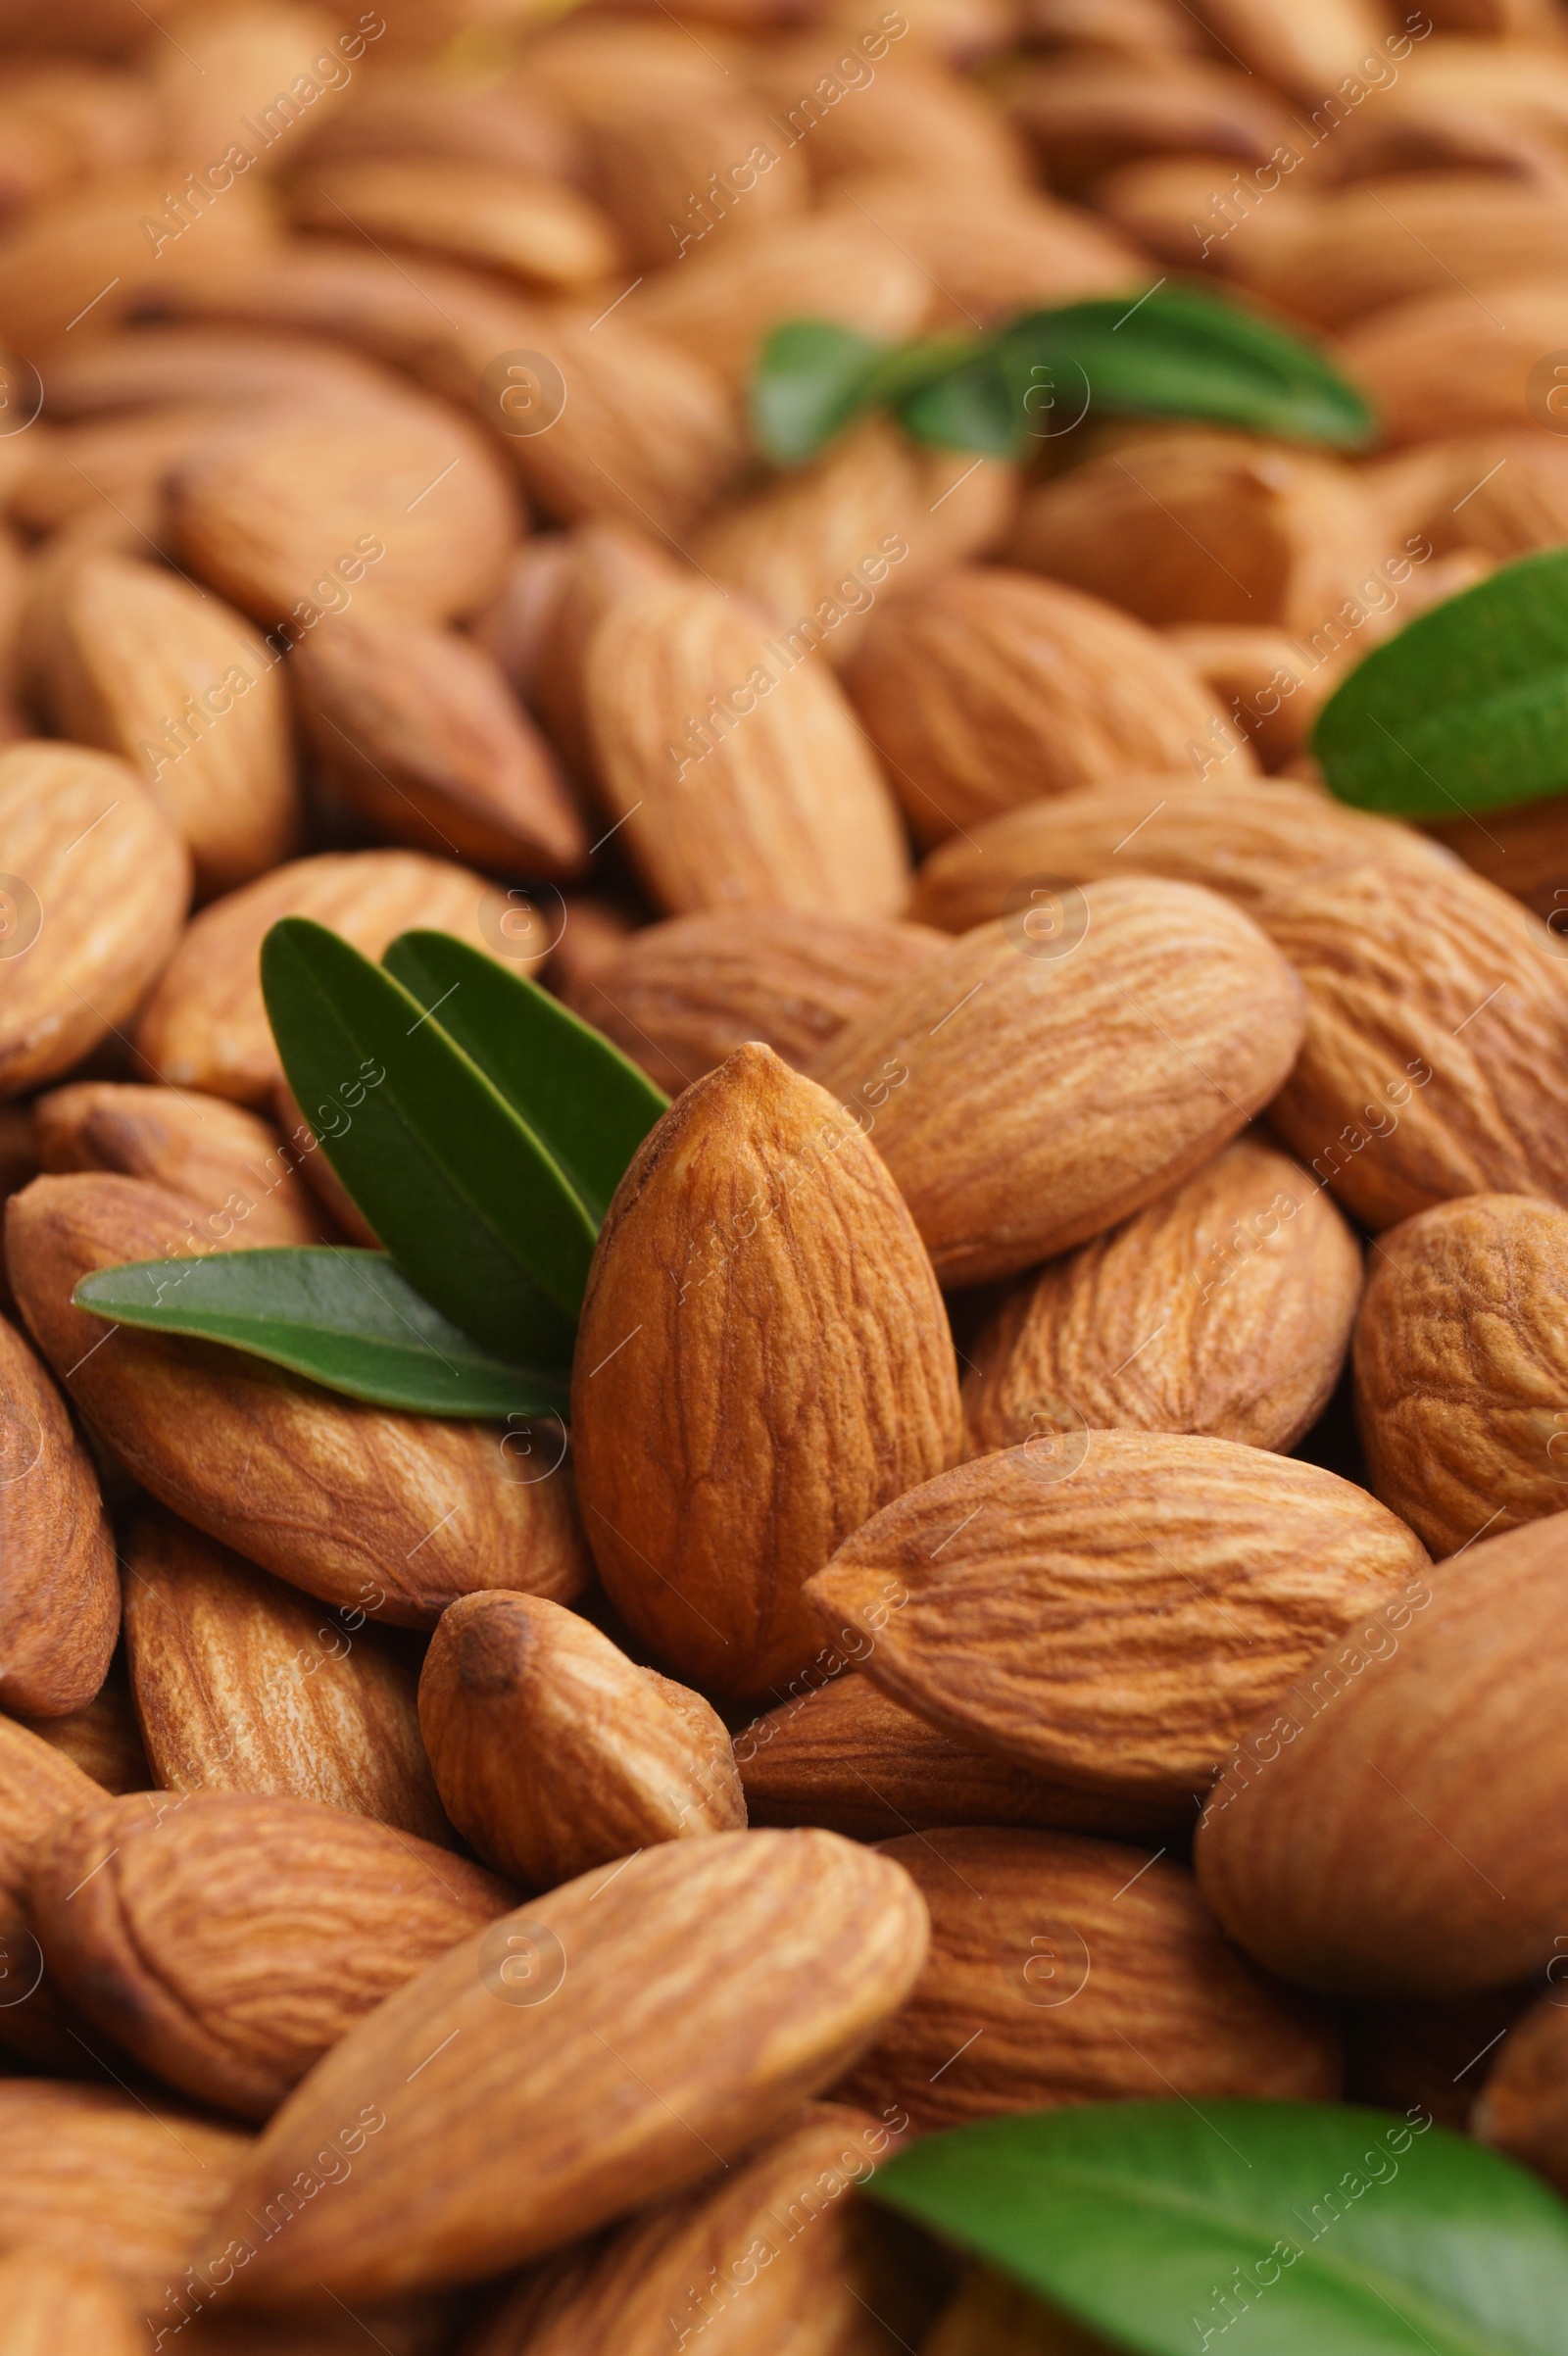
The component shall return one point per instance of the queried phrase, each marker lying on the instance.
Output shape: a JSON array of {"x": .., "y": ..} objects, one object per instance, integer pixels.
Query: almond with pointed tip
[
  {"x": 226, "y": 1159},
  {"x": 60, "y": 1594},
  {"x": 37, "y": 1785}
]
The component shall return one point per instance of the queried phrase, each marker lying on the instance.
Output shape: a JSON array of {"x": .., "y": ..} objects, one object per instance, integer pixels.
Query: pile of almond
[{"x": 1054, "y": 1587}]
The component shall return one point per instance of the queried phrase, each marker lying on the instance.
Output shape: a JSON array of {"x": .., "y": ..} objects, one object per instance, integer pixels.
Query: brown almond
[
  {"x": 1523, "y": 2107},
  {"x": 1434, "y": 367},
  {"x": 1360, "y": 251},
  {"x": 91, "y": 909},
  {"x": 330, "y": 1495},
  {"x": 60, "y": 1600},
  {"x": 52, "y": 2306},
  {"x": 520, "y": 225},
  {"x": 1225, "y": 1308},
  {"x": 1089, "y": 114},
  {"x": 163, "y": 365},
  {"x": 758, "y": 1297},
  {"x": 1505, "y": 494},
  {"x": 323, "y": 1181},
  {"x": 1271, "y": 685},
  {"x": 37, "y": 1785},
  {"x": 679, "y": 174},
  {"x": 676, "y": 1999},
  {"x": 903, "y": 112},
  {"x": 227, "y": 1941},
  {"x": 102, "y": 1738},
  {"x": 1184, "y": 210},
  {"x": 422, "y": 109},
  {"x": 734, "y": 764},
  {"x": 227, "y": 1160},
  {"x": 1113, "y": 1610},
  {"x": 115, "y": 462},
  {"x": 553, "y": 1753},
  {"x": 1151, "y": 1017},
  {"x": 243, "y": 1684},
  {"x": 1064, "y": 1970}
]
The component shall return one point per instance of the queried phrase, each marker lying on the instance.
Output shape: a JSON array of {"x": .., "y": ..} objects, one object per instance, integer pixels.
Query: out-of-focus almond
[
  {"x": 440, "y": 110},
  {"x": 1523, "y": 2107},
  {"x": 224, "y": 1158},
  {"x": 677, "y": 177},
  {"x": 903, "y": 113},
  {"x": 244, "y": 87},
  {"x": 37, "y": 1785},
  {"x": 52, "y": 2306},
  {"x": 1361, "y": 250},
  {"x": 1089, "y": 114},
  {"x": 60, "y": 1599},
  {"x": 323, "y": 1181},
  {"x": 161, "y": 367},
  {"x": 527, "y": 228},
  {"x": 1432, "y": 365},
  {"x": 993, "y": 251},
  {"x": 1269, "y": 684},
  {"x": 115, "y": 461},
  {"x": 1306, "y": 54}
]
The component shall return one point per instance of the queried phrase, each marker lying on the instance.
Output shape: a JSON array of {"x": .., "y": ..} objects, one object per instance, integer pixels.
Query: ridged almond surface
[
  {"x": 106, "y": 883},
  {"x": 242, "y": 1683},
  {"x": 330, "y": 1495},
  {"x": 227, "y": 1941},
  {"x": 1114, "y": 1609},
  {"x": 600, "y": 2046},
  {"x": 764, "y": 1359},
  {"x": 1435, "y": 366},
  {"x": 1436, "y": 1057},
  {"x": 554, "y": 1752},
  {"x": 1361, "y": 251},
  {"x": 59, "y": 1589},
  {"x": 119, "y": 460},
  {"x": 1031, "y": 1088},
  {"x": 228, "y": 1160},
  {"x": 1224, "y": 1309},
  {"x": 1397, "y": 1823},
  {"x": 205, "y": 1026},
  {"x": 1064, "y": 1970},
  {"x": 1523, "y": 2107},
  {"x": 54, "y": 2306},
  {"x": 1270, "y": 684},
  {"x": 520, "y": 224},
  {"x": 987, "y": 688},
  {"x": 37, "y": 1785},
  {"x": 735, "y": 763},
  {"x": 681, "y": 996}
]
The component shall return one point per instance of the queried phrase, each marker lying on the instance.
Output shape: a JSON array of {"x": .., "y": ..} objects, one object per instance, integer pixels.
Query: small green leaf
[
  {"x": 975, "y": 406},
  {"x": 346, "y": 1318},
  {"x": 812, "y": 378},
  {"x": 1466, "y": 709},
  {"x": 587, "y": 1102},
  {"x": 460, "y": 1192},
  {"x": 1253, "y": 2229}
]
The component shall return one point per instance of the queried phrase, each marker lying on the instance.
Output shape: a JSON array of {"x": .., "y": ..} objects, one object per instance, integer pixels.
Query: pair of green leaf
[
  {"x": 479, "y": 1126},
  {"x": 1253, "y": 2229},
  {"x": 1176, "y": 353}
]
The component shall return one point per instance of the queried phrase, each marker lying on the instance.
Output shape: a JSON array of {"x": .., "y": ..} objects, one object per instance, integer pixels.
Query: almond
[
  {"x": 517, "y": 223},
  {"x": 244, "y": 1685},
  {"x": 117, "y": 461},
  {"x": 91, "y": 911},
  {"x": 1504, "y": 494},
  {"x": 1065, "y": 1970},
  {"x": 759, "y": 1297},
  {"x": 231, "y": 1164},
  {"x": 734, "y": 762},
  {"x": 677, "y": 175},
  {"x": 1112, "y": 1609},
  {"x": 1184, "y": 208},
  {"x": 988, "y": 689},
  {"x": 429, "y": 110},
  {"x": 37, "y": 1785},
  {"x": 848, "y": 1757},
  {"x": 903, "y": 112},
  {"x": 1354, "y": 1844},
  {"x": 325, "y": 1182},
  {"x": 1304, "y": 54},
  {"x": 102, "y": 1738},
  {"x": 417, "y": 731},
  {"x": 1523, "y": 2107},
  {"x": 227, "y": 1941},
  {"x": 600, "y": 2046},
  {"x": 991, "y": 250},
  {"x": 331, "y": 1495},
  {"x": 680, "y": 996},
  {"x": 251, "y": 61},
  {"x": 1361, "y": 251},
  {"x": 1225, "y": 1308},
  {"x": 1271, "y": 685},
  {"x": 59, "y": 1601},
  {"x": 1088, "y": 113},
  {"x": 52, "y": 2304},
  {"x": 156, "y": 366},
  {"x": 205, "y": 1026},
  {"x": 1151, "y": 1017},
  {"x": 1431, "y": 367}
]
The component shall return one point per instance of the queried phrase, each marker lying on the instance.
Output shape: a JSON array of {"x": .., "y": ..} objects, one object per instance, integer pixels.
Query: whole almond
[
  {"x": 596, "y": 2049},
  {"x": 553, "y": 1753},
  {"x": 119, "y": 461},
  {"x": 1153, "y": 1018},
  {"x": 1523, "y": 2107},
  {"x": 647, "y": 157},
  {"x": 91, "y": 909},
  {"x": 332, "y": 1496},
  {"x": 227, "y": 1941},
  {"x": 242, "y": 1683},
  {"x": 1064, "y": 1970},
  {"x": 37, "y": 1785},
  {"x": 59, "y": 1599},
  {"x": 1224, "y": 1309},
  {"x": 227, "y": 1160},
  {"x": 1431, "y": 368},
  {"x": 758, "y": 1297},
  {"x": 520, "y": 225},
  {"x": 53, "y": 2304},
  {"x": 1302, "y": 54}
]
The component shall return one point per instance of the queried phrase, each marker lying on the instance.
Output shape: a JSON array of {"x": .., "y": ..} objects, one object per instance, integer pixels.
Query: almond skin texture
[
  {"x": 332, "y": 1496},
  {"x": 59, "y": 1589},
  {"x": 52, "y": 2307},
  {"x": 1152, "y": 1018},
  {"x": 1086, "y": 1989},
  {"x": 37, "y": 1785},
  {"x": 990, "y": 688},
  {"x": 554, "y": 1752},
  {"x": 591, "y": 2052},
  {"x": 767, "y": 798},
  {"x": 1436, "y": 1058},
  {"x": 227, "y": 1941},
  {"x": 1223, "y": 1308},
  {"x": 1356, "y": 1846},
  {"x": 1461, "y": 1368},
  {"x": 227, "y": 1160},
  {"x": 106, "y": 881},
  {"x": 102, "y": 1738},
  {"x": 1523, "y": 2107},
  {"x": 764, "y": 1359},
  {"x": 1115, "y": 1608},
  {"x": 529, "y": 227},
  {"x": 242, "y": 1683}
]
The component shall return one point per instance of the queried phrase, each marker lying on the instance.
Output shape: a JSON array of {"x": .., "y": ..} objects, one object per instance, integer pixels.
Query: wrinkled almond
[
  {"x": 227, "y": 1160},
  {"x": 60, "y": 1599}
]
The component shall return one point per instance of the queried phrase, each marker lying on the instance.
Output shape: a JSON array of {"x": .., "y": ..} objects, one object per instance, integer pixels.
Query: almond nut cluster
[{"x": 1050, "y": 1587}]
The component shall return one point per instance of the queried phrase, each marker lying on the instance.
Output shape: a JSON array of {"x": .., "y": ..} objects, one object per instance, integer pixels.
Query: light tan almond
[
  {"x": 591, "y": 2052},
  {"x": 117, "y": 461},
  {"x": 993, "y": 250},
  {"x": 430, "y": 108},
  {"x": 92, "y": 907},
  {"x": 676, "y": 174},
  {"x": 1223, "y": 1308},
  {"x": 102, "y": 1738},
  {"x": 1434, "y": 367},
  {"x": 759, "y": 1297},
  {"x": 1088, "y": 113},
  {"x": 1270, "y": 684},
  {"x": 1306, "y": 53},
  {"x": 246, "y": 87},
  {"x": 1358, "y": 252},
  {"x": 55, "y": 2306},
  {"x": 227, "y": 1160},
  {"x": 66, "y": 121},
  {"x": 989, "y": 688},
  {"x": 60, "y": 1594},
  {"x": 520, "y": 225},
  {"x": 889, "y": 111},
  {"x": 205, "y": 1026},
  {"x": 1523, "y": 2107},
  {"x": 735, "y": 763},
  {"x": 332, "y": 1496},
  {"x": 38, "y": 1784},
  {"x": 1065, "y": 1970},
  {"x": 1505, "y": 494},
  {"x": 159, "y": 367},
  {"x": 681, "y": 996},
  {"x": 1150, "y": 1016},
  {"x": 242, "y": 1683},
  {"x": 1188, "y": 211}
]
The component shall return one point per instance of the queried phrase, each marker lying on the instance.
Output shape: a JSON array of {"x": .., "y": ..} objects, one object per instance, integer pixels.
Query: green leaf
[
  {"x": 1253, "y": 2229},
  {"x": 812, "y": 378},
  {"x": 346, "y": 1318},
  {"x": 586, "y": 1102},
  {"x": 1466, "y": 709},
  {"x": 975, "y": 406},
  {"x": 462, "y": 1192}
]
